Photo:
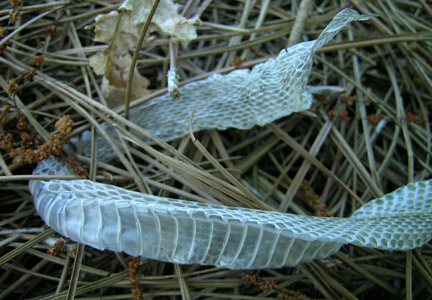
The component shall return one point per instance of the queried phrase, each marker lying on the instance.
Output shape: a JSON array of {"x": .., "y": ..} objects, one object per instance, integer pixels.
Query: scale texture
[
  {"x": 107, "y": 217},
  {"x": 241, "y": 99}
]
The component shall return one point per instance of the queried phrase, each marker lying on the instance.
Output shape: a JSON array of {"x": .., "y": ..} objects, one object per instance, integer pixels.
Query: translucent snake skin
[{"x": 108, "y": 217}]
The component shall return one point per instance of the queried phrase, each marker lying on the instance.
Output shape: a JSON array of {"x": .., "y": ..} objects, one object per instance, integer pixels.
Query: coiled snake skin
[{"x": 108, "y": 217}]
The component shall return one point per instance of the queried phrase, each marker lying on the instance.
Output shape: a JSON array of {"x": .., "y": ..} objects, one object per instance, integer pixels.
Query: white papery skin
[
  {"x": 107, "y": 217},
  {"x": 240, "y": 99}
]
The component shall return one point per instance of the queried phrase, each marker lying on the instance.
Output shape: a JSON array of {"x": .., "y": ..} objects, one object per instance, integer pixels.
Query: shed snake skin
[{"x": 108, "y": 217}]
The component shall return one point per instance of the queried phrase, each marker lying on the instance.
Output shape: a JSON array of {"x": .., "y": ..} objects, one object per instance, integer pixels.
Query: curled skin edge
[{"x": 241, "y": 99}]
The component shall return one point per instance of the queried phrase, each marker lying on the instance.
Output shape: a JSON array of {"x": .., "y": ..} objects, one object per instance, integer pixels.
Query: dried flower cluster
[
  {"x": 343, "y": 115},
  {"x": 410, "y": 117},
  {"x": 15, "y": 12},
  {"x": 78, "y": 169},
  {"x": 264, "y": 285},
  {"x": 374, "y": 119},
  {"x": 13, "y": 88},
  {"x": 237, "y": 63},
  {"x": 312, "y": 199},
  {"x": 270, "y": 285},
  {"x": 348, "y": 100},
  {"x": 29, "y": 149},
  {"x": 251, "y": 278},
  {"x": 132, "y": 268},
  {"x": 57, "y": 248},
  {"x": 15, "y": 85},
  {"x": 291, "y": 295},
  {"x": 38, "y": 60}
]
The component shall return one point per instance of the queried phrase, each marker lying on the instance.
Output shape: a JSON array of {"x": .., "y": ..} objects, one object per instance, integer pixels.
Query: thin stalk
[{"x": 135, "y": 57}]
